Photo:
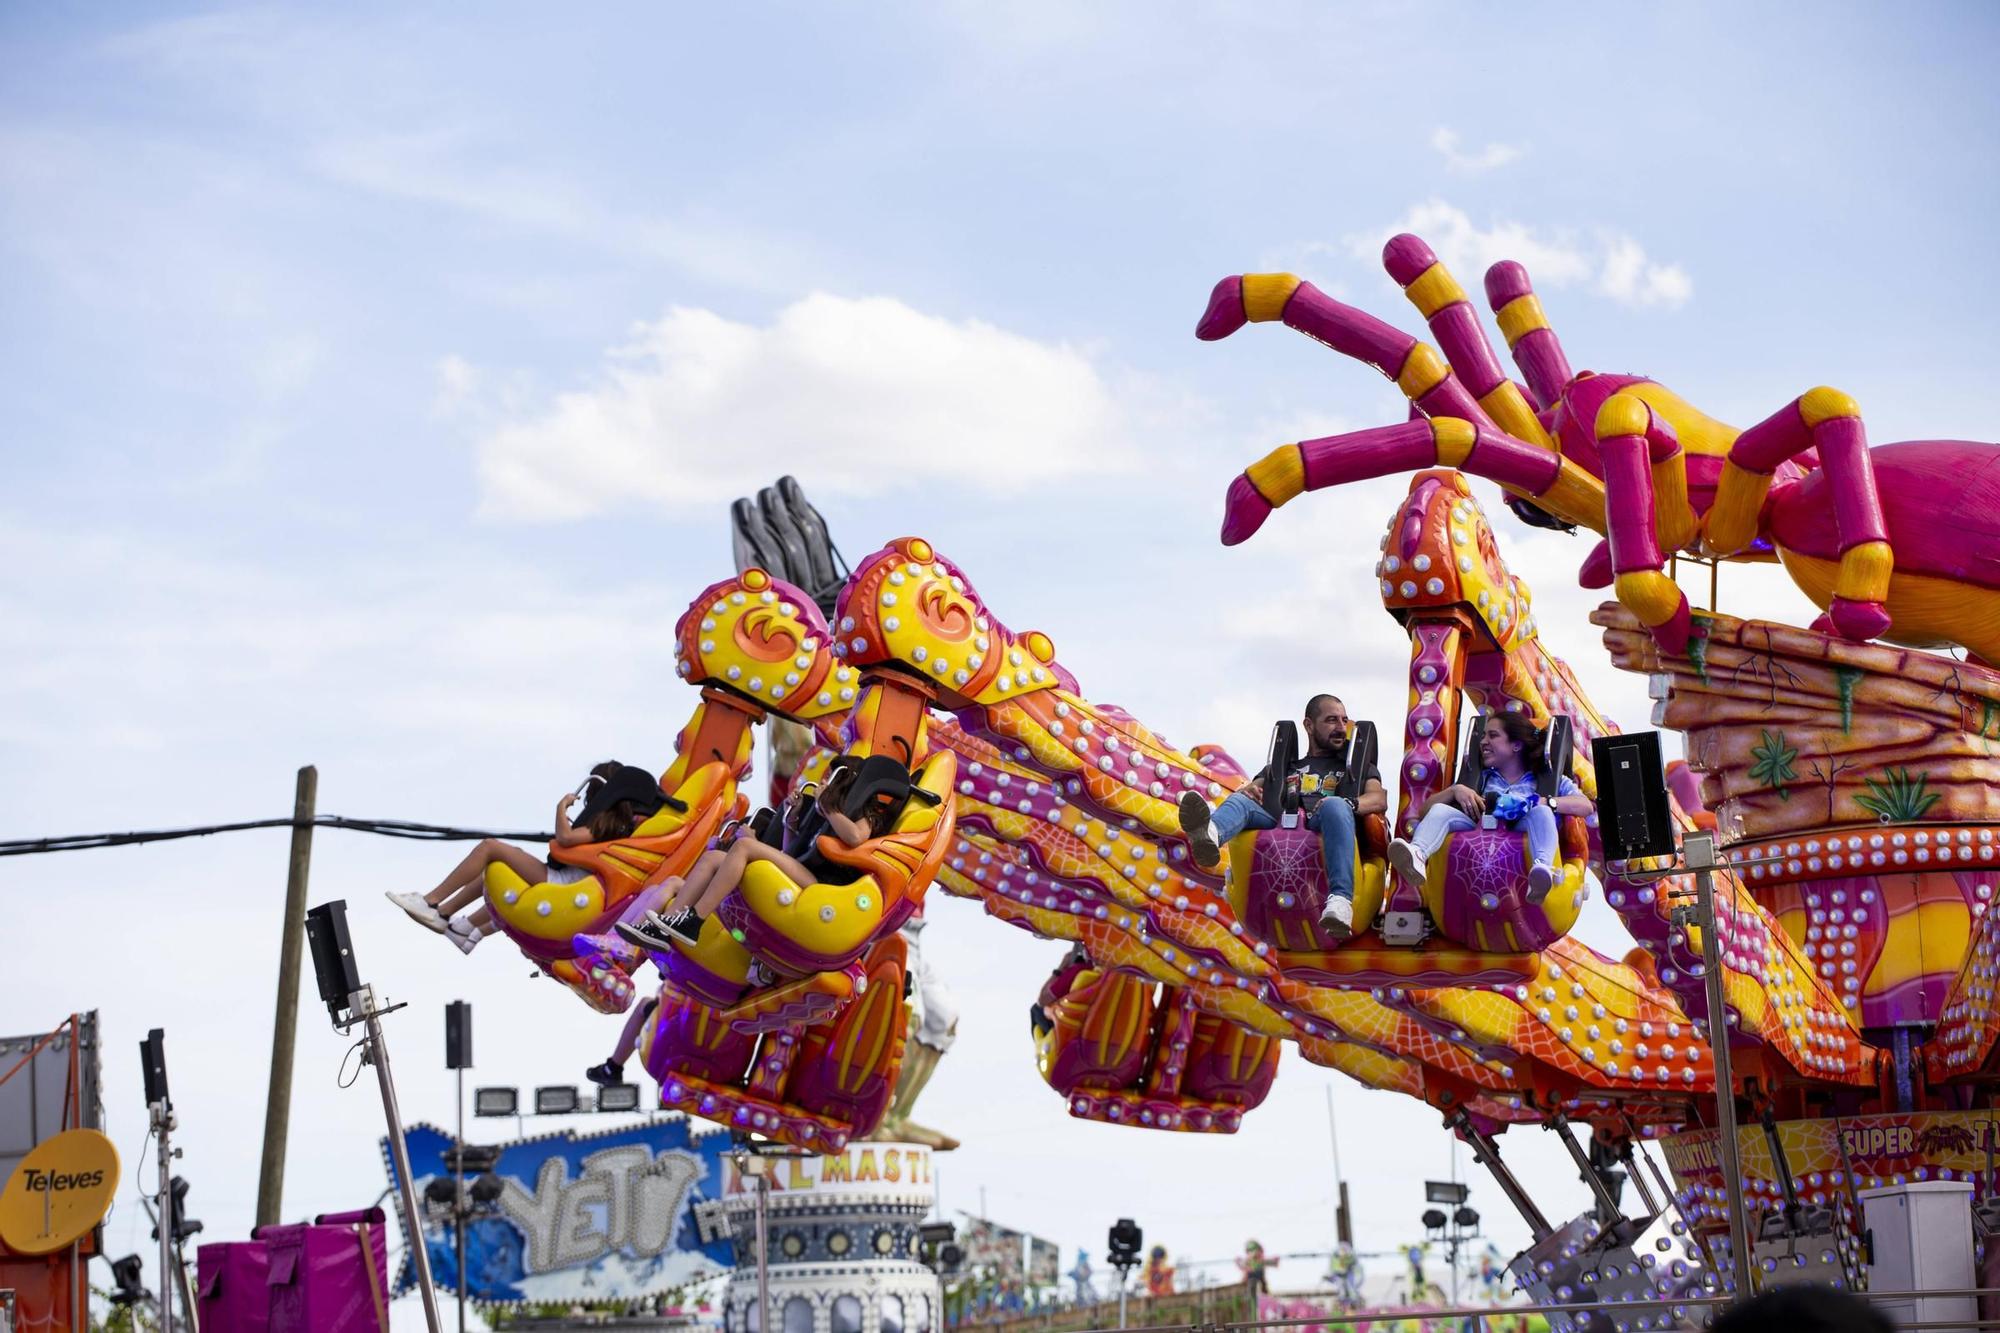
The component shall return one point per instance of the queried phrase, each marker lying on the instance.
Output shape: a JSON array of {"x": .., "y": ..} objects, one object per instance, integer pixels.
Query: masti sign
[{"x": 863, "y": 1169}]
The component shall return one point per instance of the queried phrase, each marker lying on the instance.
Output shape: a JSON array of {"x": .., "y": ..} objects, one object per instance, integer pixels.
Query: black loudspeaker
[
  {"x": 333, "y": 955},
  {"x": 153, "y": 1065},
  {"x": 1632, "y": 813},
  {"x": 458, "y": 1035}
]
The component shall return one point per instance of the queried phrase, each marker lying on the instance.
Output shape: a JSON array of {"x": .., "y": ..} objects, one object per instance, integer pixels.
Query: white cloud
[
  {"x": 1489, "y": 158},
  {"x": 863, "y": 395},
  {"x": 1602, "y": 260}
]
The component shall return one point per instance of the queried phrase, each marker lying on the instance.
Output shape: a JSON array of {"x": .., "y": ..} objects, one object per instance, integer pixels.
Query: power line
[{"x": 387, "y": 828}]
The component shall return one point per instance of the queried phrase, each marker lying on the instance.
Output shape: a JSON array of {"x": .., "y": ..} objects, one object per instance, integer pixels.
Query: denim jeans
[
  {"x": 1333, "y": 821},
  {"x": 1538, "y": 822}
]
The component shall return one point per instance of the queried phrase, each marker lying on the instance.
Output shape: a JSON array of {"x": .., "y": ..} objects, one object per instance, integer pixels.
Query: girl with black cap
[{"x": 619, "y": 798}]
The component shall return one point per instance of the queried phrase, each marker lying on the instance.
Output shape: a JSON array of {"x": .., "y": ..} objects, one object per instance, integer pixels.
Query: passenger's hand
[
  {"x": 1254, "y": 789},
  {"x": 1468, "y": 800}
]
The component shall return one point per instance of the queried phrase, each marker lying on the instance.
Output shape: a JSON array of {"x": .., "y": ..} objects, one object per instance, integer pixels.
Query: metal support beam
[
  {"x": 1487, "y": 1155},
  {"x": 1698, "y": 855}
]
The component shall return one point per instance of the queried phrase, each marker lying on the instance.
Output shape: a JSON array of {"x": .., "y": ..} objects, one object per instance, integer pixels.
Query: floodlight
[
  {"x": 1445, "y": 1191},
  {"x": 937, "y": 1233},
  {"x": 618, "y": 1097},
  {"x": 1465, "y": 1218},
  {"x": 496, "y": 1101},
  {"x": 1434, "y": 1219},
  {"x": 556, "y": 1101}
]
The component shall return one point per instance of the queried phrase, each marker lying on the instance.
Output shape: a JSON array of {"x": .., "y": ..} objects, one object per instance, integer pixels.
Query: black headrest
[
  {"x": 878, "y": 779},
  {"x": 629, "y": 783}
]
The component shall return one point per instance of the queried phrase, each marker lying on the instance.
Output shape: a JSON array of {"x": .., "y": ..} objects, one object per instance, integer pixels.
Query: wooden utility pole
[{"x": 278, "y": 1106}]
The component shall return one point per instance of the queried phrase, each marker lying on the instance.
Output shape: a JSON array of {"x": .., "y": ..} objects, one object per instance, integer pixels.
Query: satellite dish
[{"x": 61, "y": 1189}]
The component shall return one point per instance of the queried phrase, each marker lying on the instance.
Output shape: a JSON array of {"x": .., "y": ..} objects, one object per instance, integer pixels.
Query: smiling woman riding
[{"x": 1510, "y": 753}]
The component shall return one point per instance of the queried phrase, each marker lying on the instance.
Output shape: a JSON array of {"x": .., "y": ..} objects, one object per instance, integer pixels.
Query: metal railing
[{"x": 1348, "y": 1319}]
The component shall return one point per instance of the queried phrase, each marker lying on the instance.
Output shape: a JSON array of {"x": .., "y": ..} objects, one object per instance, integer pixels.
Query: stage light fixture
[
  {"x": 1124, "y": 1243},
  {"x": 560, "y": 1100},
  {"x": 496, "y": 1101},
  {"x": 1465, "y": 1218},
  {"x": 127, "y": 1273},
  {"x": 1434, "y": 1219},
  {"x": 618, "y": 1097}
]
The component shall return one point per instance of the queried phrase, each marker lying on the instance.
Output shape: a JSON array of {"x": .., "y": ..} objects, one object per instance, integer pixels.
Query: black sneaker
[
  {"x": 1199, "y": 827},
  {"x": 606, "y": 1074},
  {"x": 644, "y": 936}
]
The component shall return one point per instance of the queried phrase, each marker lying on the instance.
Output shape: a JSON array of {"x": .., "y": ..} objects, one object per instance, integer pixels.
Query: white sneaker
[
  {"x": 1337, "y": 917},
  {"x": 1541, "y": 878},
  {"x": 1407, "y": 861},
  {"x": 419, "y": 908},
  {"x": 463, "y": 933},
  {"x": 1199, "y": 828}
]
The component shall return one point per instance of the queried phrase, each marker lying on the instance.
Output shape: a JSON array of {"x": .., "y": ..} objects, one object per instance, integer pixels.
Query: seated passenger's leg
[
  {"x": 1335, "y": 823},
  {"x": 1238, "y": 812},
  {"x": 1540, "y": 825},
  {"x": 1409, "y": 856},
  {"x": 1207, "y": 830}
]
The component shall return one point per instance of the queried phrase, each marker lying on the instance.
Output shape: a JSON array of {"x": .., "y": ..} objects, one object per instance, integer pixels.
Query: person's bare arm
[
  {"x": 568, "y": 834},
  {"x": 1578, "y": 804},
  {"x": 1374, "y": 799}
]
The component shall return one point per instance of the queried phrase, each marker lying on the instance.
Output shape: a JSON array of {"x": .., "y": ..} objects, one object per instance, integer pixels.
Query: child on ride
[
  {"x": 716, "y": 874},
  {"x": 621, "y": 797},
  {"x": 1510, "y": 749}
]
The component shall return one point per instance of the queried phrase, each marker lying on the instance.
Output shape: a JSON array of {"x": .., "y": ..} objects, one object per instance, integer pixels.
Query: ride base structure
[{"x": 1848, "y": 784}]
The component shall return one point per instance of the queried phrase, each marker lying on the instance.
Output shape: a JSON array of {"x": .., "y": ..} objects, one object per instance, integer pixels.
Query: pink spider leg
[
  {"x": 1448, "y": 312},
  {"x": 1829, "y": 421},
  {"x": 1290, "y": 470},
  {"x": 1421, "y": 374},
  {"x": 1635, "y": 445},
  {"x": 1534, "y": 345}
]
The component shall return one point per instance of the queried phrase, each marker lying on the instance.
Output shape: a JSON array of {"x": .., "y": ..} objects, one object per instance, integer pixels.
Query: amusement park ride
[{"x": 1850, "y": 787}]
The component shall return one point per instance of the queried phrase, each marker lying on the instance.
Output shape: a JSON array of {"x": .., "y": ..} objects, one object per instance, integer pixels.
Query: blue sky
[{"x": 374, "y": 383}]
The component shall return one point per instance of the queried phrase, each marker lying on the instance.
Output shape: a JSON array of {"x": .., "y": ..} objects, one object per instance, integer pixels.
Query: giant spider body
[{"x": 1901, "y": 541}]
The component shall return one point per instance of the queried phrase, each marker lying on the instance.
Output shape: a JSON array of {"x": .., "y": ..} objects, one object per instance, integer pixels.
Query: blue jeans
[
  {"x": 1333, "y": 821},
  {"x": 1539, "y": 823}
]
